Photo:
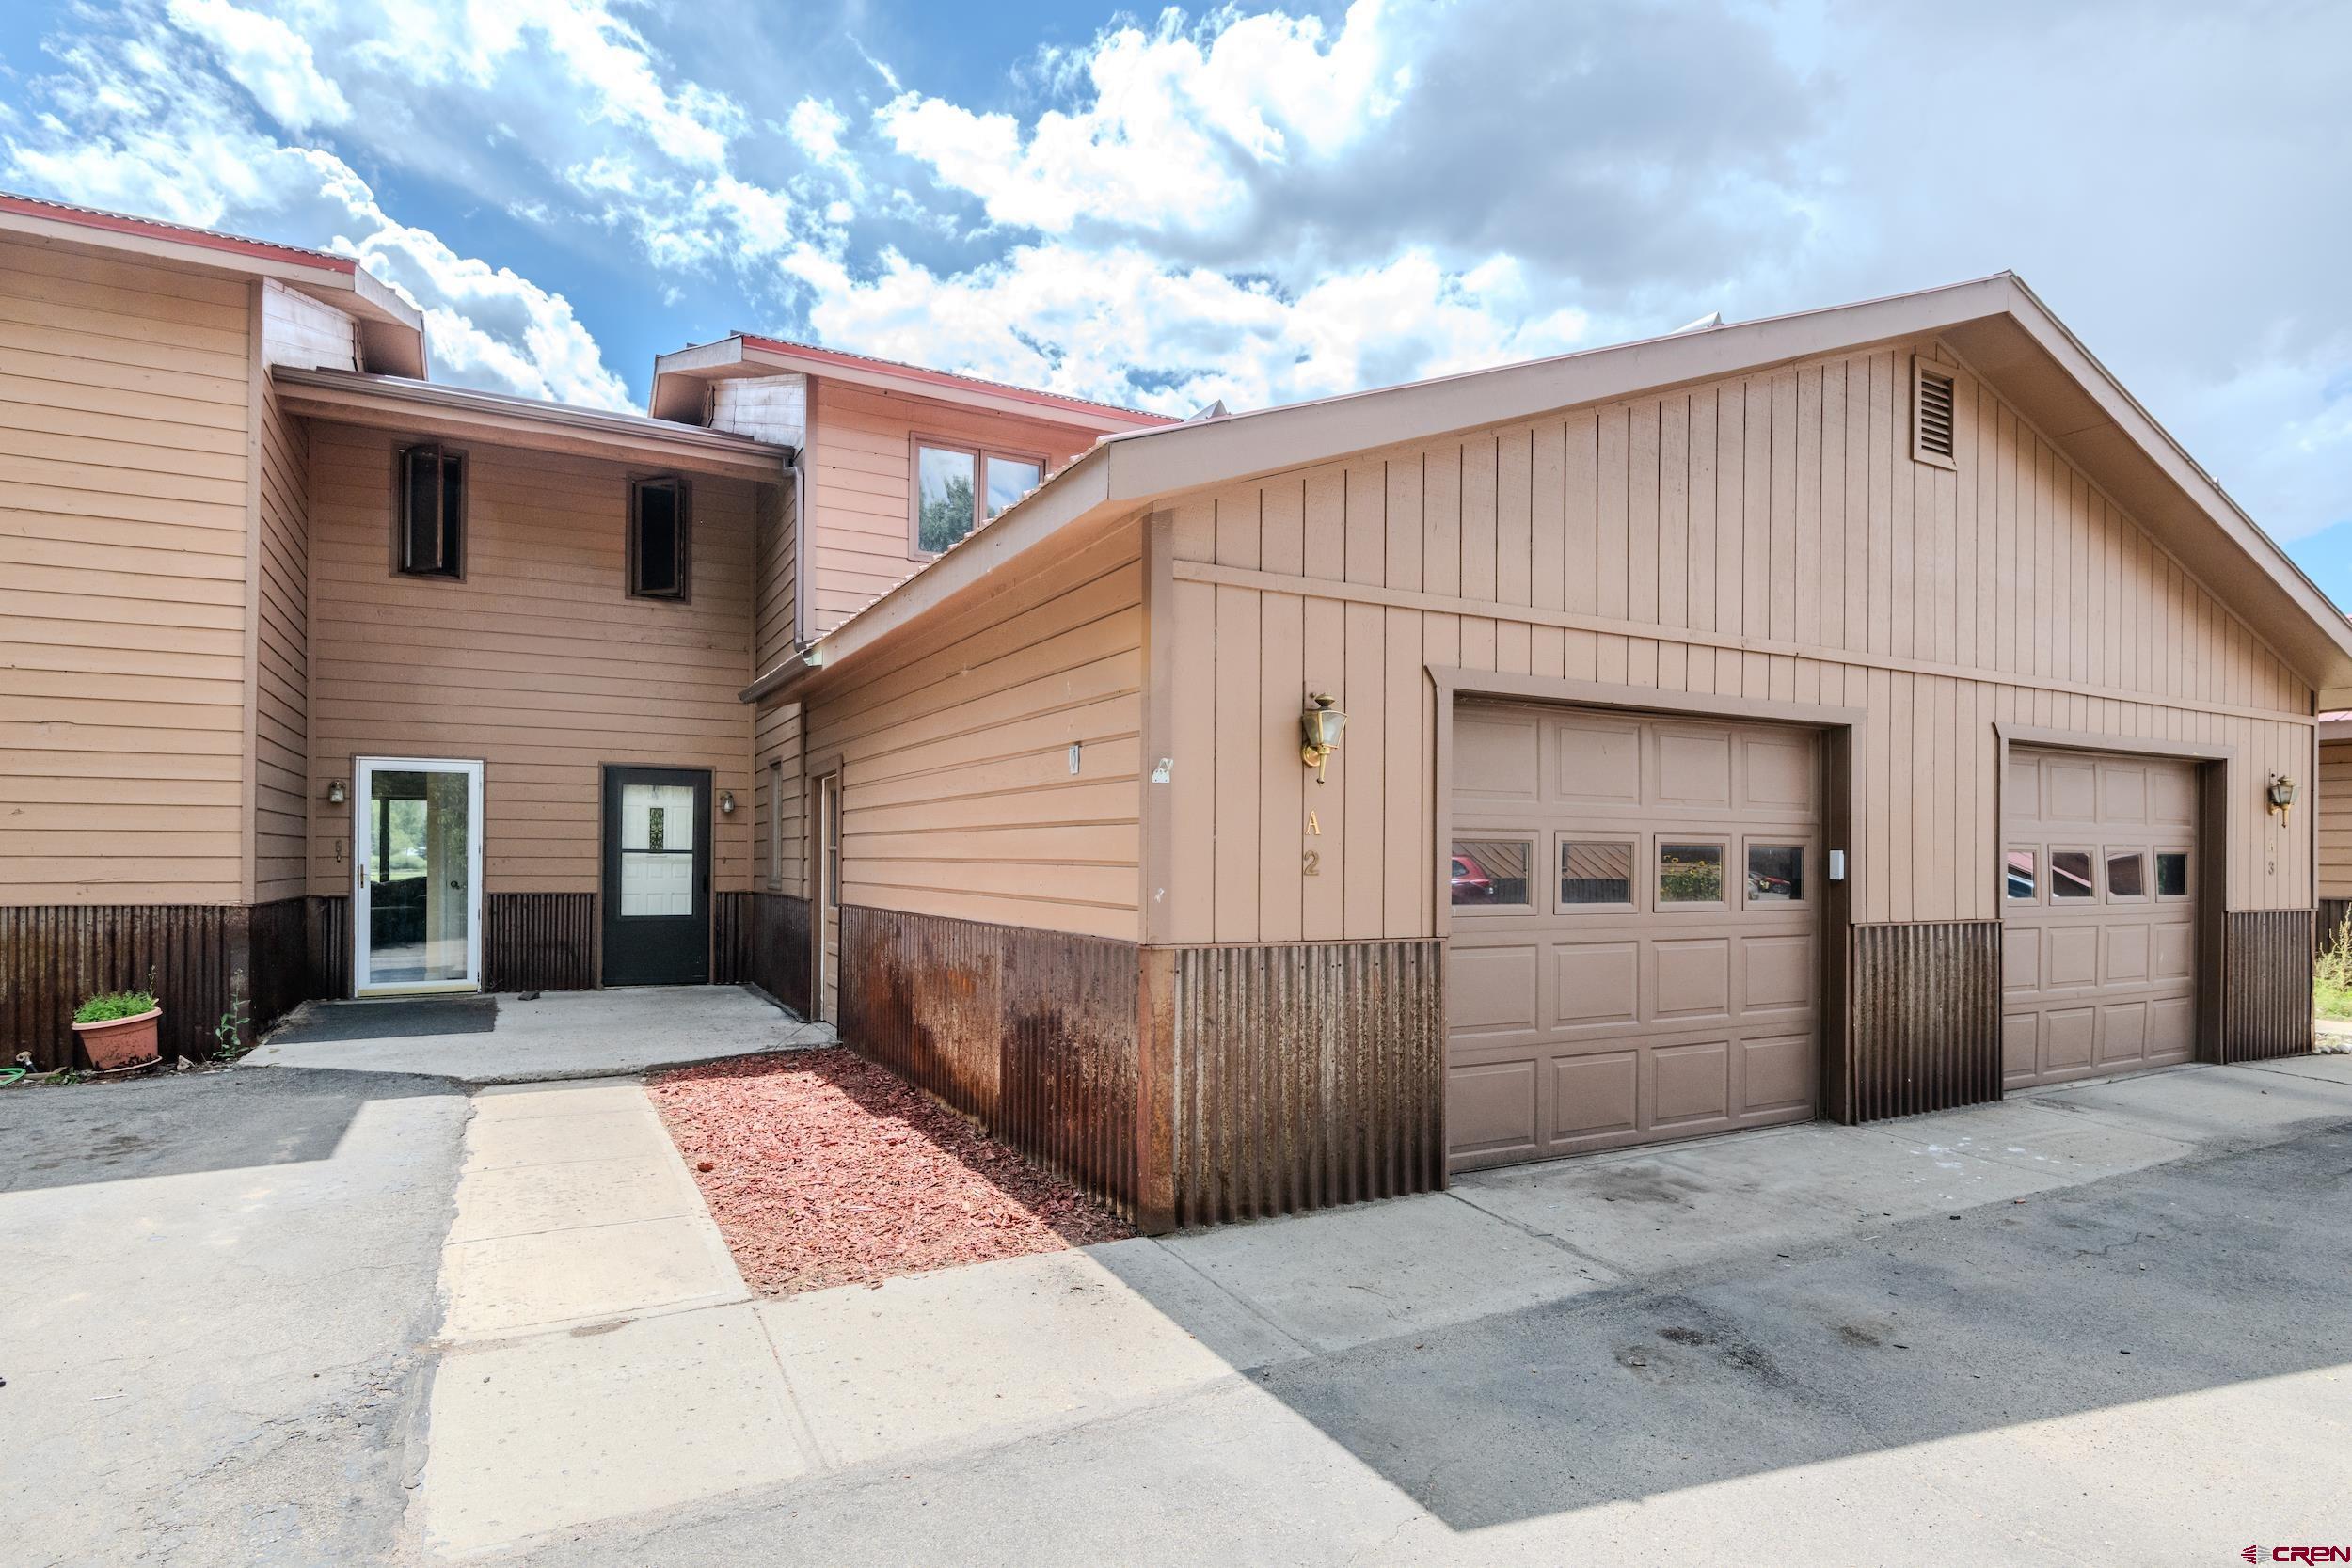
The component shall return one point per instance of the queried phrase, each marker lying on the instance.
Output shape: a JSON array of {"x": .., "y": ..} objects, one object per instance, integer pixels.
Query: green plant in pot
[{"x": 118, "y": 1029}]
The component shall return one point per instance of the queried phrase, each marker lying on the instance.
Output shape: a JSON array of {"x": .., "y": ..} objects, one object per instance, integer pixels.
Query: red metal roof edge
[
  {"x": 949, "y": 378},
  {"x": 210, "y": 239}
]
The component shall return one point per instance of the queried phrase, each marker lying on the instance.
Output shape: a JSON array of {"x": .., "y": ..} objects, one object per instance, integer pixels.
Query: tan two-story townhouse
[{"x": 1840, "y": 715}]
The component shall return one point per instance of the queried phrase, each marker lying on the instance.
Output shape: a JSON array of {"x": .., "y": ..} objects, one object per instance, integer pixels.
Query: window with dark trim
[
  {"x": 958, "y": 489},
  {"x": 660, "y": 538},
  {"x": 430, "y": 524}
]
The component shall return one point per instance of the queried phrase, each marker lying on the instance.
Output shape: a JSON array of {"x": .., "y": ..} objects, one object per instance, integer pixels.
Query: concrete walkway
[
  {"x": 653, "y": 1384},
  {"x": 584, "y": 1376},
  {"x": 574, "y": 1034}
]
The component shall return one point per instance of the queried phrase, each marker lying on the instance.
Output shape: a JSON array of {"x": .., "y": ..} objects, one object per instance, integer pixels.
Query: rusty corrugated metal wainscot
[
  {"x": 762, "y": 940},
  {"x": 1303, "y": 1075},
  {"x": 539, "y": 941},
  {"x": 1031, "y": 1033},
  {"x": 1924, "y": 1026},
  {"x": 2266, "y": 984}
]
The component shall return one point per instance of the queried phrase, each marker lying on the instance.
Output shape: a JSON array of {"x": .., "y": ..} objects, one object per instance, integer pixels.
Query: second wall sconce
[{"x": 1322, "y": 723}]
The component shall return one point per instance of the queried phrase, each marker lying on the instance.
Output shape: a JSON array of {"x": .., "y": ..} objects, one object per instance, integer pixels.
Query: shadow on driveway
[
  {"x": 2182, "y": 1278},
  {"x": 177, "y": 1124}
]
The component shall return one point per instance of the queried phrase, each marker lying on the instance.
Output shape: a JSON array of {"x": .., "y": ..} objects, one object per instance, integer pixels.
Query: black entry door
[{"x": 657, "y": 876}]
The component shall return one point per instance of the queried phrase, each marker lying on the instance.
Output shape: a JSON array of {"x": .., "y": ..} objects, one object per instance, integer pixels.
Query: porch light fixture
[
  {"x": 336, "y": 794},
  {"x": 726, "y": 802},
  {"x": 2283, "y": 796},
  {"x": 1321, "y": 723}
]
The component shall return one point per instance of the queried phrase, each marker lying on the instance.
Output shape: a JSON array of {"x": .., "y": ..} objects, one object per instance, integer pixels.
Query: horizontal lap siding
[
  {"x": 957, "y": 798},
  {"x": 125, "y": 414},
  {"x": 860, "y": 533},
  {"x": 2333, "y": 819},
  {"x": 538, "y": 663},
  {"x": 1765, "y": 538}
]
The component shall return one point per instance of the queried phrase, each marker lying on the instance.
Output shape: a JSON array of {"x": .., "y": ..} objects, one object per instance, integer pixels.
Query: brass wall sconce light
[
  {"x": 1321, "y": 723},
  {"x": 2282, "y": 797}
]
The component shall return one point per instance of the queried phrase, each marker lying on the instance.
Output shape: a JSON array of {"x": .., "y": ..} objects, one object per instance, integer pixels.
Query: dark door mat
[{"x": 390, "y": 1020}]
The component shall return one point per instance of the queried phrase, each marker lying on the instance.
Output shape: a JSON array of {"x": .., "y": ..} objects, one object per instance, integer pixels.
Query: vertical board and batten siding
[
  {"x": 1767, "y": 537},
  {"x": 126, "y": 413},
  {"x": 538, "y": 662},
  {"x": 860, "y": 542},
  {"x": 957, "y": 794}
]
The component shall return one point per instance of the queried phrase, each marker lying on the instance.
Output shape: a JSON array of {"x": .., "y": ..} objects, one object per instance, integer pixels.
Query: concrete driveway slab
[
  {"x": 216, "y": 1292},
  {"x": 2333, "y": 1068},
  {"x": 1349, "y": 1275},
  {"x": 1775, "y": 1189},
  {"x": 2208, "y": 1104},
  {"x": 2033, "y": 1137},
  {"x": 550, "y": 1432},
  {"x": 567, "y": 1035},
  {"x": 962, "y": 1355}
]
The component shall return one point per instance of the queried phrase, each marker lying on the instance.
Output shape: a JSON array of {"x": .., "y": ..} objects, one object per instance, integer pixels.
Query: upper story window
[
  {"x": 430, "y": 524},
  {"x": 660, "y": 538},
  {"x": 958, "y": 489}
]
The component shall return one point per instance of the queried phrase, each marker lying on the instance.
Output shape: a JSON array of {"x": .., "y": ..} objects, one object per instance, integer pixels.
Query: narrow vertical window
[
  {"x": 947, "y": 497},
  {"x": 660, "y": 557},
  {"x": 431, "y": 519}
]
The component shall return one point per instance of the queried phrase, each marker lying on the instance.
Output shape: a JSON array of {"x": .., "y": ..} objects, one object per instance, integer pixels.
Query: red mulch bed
[{"x": 824, "y": 1169}]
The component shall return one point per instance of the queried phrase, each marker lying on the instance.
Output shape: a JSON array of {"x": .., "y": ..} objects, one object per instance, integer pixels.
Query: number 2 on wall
[{"x": 1314, "y": 862}]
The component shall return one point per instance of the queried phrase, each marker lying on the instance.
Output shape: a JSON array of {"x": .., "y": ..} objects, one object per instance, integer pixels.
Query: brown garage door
[
  {"x": 1634, "y": 954},
  {"x": 2099, "y": 931}
]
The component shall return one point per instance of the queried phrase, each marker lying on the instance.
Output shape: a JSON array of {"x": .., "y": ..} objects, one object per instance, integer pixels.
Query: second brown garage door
[
  {"x": 1635, "y": 945},
  {"x": 2099, "y": 929}
]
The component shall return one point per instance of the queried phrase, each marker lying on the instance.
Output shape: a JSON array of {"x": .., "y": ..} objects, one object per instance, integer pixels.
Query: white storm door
[{"x": 416, "y": 862}]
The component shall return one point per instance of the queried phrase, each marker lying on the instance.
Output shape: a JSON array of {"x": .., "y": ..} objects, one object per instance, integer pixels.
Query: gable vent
[{"x": 1932, "y": 404}]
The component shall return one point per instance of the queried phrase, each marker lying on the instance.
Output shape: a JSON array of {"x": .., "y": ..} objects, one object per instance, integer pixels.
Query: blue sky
[{"x": 1258, "y": 203}]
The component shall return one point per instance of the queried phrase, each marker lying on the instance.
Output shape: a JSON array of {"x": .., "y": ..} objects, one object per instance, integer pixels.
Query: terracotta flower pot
[{"x": 120, "y": 1042}]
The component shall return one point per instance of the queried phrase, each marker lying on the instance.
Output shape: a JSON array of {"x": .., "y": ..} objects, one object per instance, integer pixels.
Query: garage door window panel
[
  {"x": 2127, "y": 876},
  {"x": 1494, "y": 874},
  {"x": 1776, "y": 874},
  {"x": 2071, "y": 876},
  {"x": 2020, "y": 877},
  {"x": 1690, "y": 874},
  {"x": 2171, "y": 875},
  {"x": 1597, "y": 874}
]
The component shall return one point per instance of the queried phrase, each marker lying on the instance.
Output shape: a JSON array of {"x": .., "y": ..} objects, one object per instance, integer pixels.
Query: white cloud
[
  {"x": 1118, "y": 324},
  {"x": 268, "y": 59},
  {"x": 131, "y": 124},
  {"x": 1176, "y": 122}
]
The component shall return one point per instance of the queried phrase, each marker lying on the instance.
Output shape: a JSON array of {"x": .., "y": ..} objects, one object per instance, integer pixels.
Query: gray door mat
[{"x": 399, "y": 1018}]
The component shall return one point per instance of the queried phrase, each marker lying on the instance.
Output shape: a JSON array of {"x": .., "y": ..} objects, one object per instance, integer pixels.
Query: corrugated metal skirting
[
  {"x": 52, "y": 956},
  {"x": 1923, "y": 1018},
  {"x": 762, "y": 938},
  {"x": 1306, "y": 1075},
  {"x": 1033, "y": 1033},
  {"x": 539, "y": 941},
  {"x": 2267, "y": 984},
  {"x": 326, "y": 944}
]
